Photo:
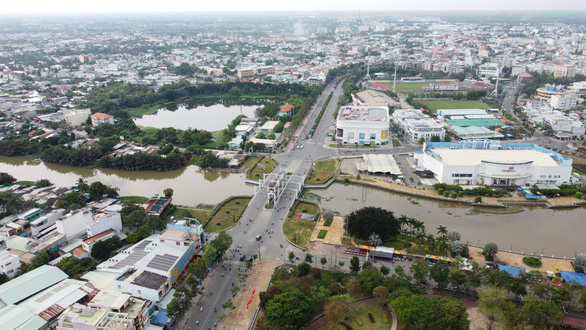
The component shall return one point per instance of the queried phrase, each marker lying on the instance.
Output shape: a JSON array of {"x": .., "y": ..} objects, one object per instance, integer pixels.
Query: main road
[{"x": 266, "y": 222}]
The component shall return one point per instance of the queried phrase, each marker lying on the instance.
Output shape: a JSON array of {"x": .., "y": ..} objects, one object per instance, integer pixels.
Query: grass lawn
[
  {"x": 227, "y": 214},
  {"x": 298, "y": 230},
  {"x": 217, "y": 142},
  {"x": 256, "y": 172},
  {"x": 347, "y": 241},
  {"x": 377, "y": 313},
  {"x": 465, "y": 104},
  {"x": 200, "y": 214},
  {"x": 143, "y": 110},
  {"x": 396, "y": 143},
  {"x": 408, "y": 87},
  {"x": 250, "y": 162},
  {"x": 134, "y": 199},
  {"x": 323, "y": 171}
]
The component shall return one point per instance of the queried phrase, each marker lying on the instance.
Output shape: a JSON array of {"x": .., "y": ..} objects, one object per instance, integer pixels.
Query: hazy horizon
[{"x": 171, "y": 6}]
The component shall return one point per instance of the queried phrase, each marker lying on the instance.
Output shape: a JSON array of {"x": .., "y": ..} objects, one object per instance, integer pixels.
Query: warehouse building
[
  {"x": 493, "y": 163},
  {"x": 362, "y": 125}
]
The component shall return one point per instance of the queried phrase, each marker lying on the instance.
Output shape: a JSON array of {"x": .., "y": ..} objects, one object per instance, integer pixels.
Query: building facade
[
  {"x": 492, "y": 163},
  {"x": 417, "y": 125},
  {"x": 362, "y": 125}
]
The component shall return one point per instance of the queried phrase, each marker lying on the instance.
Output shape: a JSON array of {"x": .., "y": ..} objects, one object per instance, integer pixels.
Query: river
[
  {"x": 528, "y": 229},
  {"x": 210, "y": 118},
  {"x": 191, "y": 185}
]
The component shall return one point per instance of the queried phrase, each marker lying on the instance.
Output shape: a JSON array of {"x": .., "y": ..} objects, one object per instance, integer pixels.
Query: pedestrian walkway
[{"x": 235, "y": 262}]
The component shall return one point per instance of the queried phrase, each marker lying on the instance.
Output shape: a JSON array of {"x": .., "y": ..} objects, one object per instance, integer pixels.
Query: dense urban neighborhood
[{"x": 288, "y": 170}]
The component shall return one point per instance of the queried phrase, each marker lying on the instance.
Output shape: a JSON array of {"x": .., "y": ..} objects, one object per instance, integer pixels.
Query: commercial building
[
  {"x": 362, "y": 125},
  {"x": 564, "y": 71},
  {"x": 489, "y": 70},
  {"x": 372, "y": 98},
  {"x": 418, "y": 125},
  {"x": 493, "y": 163},
  {"x": 563, "y": 102},
  {"x": 545, "y": 93},
  {"x": 101, "y": 118},
  {"x": 578, "y": 88},
  {"x": 378, "y": 164},
  {"x": 251, "y": 72}
]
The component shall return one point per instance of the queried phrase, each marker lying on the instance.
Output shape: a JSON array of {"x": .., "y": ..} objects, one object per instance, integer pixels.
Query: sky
[{"x": 75, "y": 6}]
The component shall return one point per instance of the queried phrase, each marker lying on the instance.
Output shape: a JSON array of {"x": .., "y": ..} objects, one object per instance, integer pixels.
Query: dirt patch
[
  {"x": 348, "y": 166},
  {"x": 513, "y": 259}
]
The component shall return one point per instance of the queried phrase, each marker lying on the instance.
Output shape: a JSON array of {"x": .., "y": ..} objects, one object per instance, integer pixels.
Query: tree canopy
[{"x": 362, "y": 223}]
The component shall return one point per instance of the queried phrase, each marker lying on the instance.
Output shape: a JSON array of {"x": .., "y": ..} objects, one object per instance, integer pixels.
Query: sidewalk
[{"x": 239, "y": 316}]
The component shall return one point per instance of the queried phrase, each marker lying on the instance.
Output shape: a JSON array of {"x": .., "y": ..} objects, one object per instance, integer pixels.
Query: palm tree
[
  {"x": 82, "y": 185},
  {"x": 403, "y": 221},
  {"x": 442, "y": 230},
  {"x": 419, "y": 226},
  {"x": 431, "y": 242}
]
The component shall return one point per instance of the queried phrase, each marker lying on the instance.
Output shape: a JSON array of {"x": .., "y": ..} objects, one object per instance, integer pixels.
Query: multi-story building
[
  {"x": 77, "y": 117},
  {"x": 564, "y": 71},
  {"x": 101, "y": 118},
  {"x": 489, "y": 70},
  {"x": 251, "y": 72},
  {"x": 545, "y": 93},
  {"x": 492, "y": 163},
  {"x": 417, "y": 125},
  {"x": 563, "y": 102},
  {"x": 362, "y": 125}
]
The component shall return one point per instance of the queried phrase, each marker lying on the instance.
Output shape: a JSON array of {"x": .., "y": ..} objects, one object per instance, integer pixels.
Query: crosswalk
[{"x": 235, "y": 262}]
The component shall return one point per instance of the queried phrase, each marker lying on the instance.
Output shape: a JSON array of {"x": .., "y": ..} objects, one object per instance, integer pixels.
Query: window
[
  {"x": 177, "y": 243},
  {"x": 372, "y": 136},
  {"x": 361, "y": 136}
]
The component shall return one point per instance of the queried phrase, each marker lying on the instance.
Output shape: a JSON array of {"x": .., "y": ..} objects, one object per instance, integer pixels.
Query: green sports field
[{"x": 408, "y": 87}]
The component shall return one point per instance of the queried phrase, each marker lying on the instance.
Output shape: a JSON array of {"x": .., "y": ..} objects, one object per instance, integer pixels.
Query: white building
[
  {"x": 46, "y": 221},
  {"x": 417, "y": 125},
  {"x": 493, "y": 163},
  {"x": 489, "y": 70},
  {"x": 103, "y": 222},
  {"x": 9, "y": 263},
  {"x": 371, "y": 98},
  {"x": 564, "y": 101},
  {"x": 362, "y": 125},
  {"x": 101, "y": 118},
  {"x": 77, "y": 117},
  {"x": 73, "y": 224},
  {"x": 578, "y": 88}
]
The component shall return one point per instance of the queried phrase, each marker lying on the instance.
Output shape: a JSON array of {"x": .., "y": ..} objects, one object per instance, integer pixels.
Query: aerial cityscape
[{"x": 293, "y": 166}]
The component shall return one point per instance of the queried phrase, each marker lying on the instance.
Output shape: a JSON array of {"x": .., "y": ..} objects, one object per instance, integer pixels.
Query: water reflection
[
  {"x": 528, "y": 229},
  {"x": 191, "y": 185}
]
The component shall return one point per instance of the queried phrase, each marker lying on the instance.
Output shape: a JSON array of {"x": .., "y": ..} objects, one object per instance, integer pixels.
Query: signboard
[
  {"x": 305, "y": 216},
  {"x": 384, "y": 134}
]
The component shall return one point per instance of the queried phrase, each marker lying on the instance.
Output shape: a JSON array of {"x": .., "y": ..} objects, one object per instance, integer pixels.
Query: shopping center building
[
  {"x": 363, "y": 125},
  {"x": 493, "y": 163}
]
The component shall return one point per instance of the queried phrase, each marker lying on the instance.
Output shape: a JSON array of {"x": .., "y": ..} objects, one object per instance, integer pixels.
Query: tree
[
  {"x": 418, "y": 312},
  {"x": 328, "y": 215},
  {"x": 456, "y": 247},
  {"x": 374, "y": 240},
  {"x": 222, "y": 243},
  {"x": 370, "y": 278},
  {"x": 304, "y": 268},
  {"x": 420, "y": 270},
  {"x": 6, "y": 179},
  {"x": 385, "y": 270},
  {"x": 436, "y": 138},
  {"x": 308, "y": 258},
  {"x": 368, "y": 220},
  {"x": 355, "y": 264},
  {"x": 168, "y": 192},
  {"x": 153, "y": 223},
  {"x": 291, "y": 256},
  {"x": 41, "y": 259},
  {"x": 102, "y": 250},
  {"x": 382, "y": 295},
  {"x": 490, "y": 250},
  {"x": 323, "y": 261},
  {"x": 291, "y": 310},
  {"x": 353, "y": 286},
  {"x": 440, "y": 273},
  {"x": 337, "y": 308},
  {"x": 453, "y": 236},
  {"x": 442, "y": 231},
  {"x": 537, "y": 311},
  {"x": 493, "y": 304},
  {"x": 134, "y": 219},
  {"x": 580, "y": 261},
  {"x": 209, "y": 253}
]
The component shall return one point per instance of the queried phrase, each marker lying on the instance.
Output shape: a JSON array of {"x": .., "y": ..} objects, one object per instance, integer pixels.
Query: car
[
  {"x": 243, "y": 258},
  {"x": 258, "y": 237},
  {"x": 302, "y": 146}
]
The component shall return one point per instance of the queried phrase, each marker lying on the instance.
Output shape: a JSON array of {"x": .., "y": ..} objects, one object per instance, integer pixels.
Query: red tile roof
[
  {"x": 286, "y": 108},
  {"x": 98, "y": 236},
  {"x": 100, "y": 115}
]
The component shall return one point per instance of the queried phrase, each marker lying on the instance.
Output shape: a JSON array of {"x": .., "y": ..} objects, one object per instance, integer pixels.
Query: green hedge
[
  {"x": 322, "y": 234},
  {"x": 328, "y": 222}
]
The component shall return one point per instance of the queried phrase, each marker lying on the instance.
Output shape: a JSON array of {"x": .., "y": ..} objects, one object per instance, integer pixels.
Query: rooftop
[
  {"x": 476, "y": 156},
  {"x": 30, "y": 283},
  {"x": 100, "y": 115},
  {"x": 371, "y": 114}
]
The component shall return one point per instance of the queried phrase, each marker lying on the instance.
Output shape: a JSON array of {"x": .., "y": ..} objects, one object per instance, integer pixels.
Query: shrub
[
  {"x": 322, "y": 233},
  {"x": 359, "y": 321},
  {"x": 440, "y": 191},
  {"x": 446, "y": 194},
  {"x": 579, "y": 195},
  {"x": 454, "y": 194},
  {"x": 385, "y": 318},
  {"x": 478, "y": 199},
  {"x": 460, "y": 193},
  {"x": 358, "y": 177},
  {"x": 532, "y": 262},
  {"x": 328, "y": 222},
  {"x": 346, "y": 180}
]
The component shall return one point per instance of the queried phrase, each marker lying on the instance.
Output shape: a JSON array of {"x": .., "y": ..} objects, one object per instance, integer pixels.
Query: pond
[{"x": 210, "y": 118}]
